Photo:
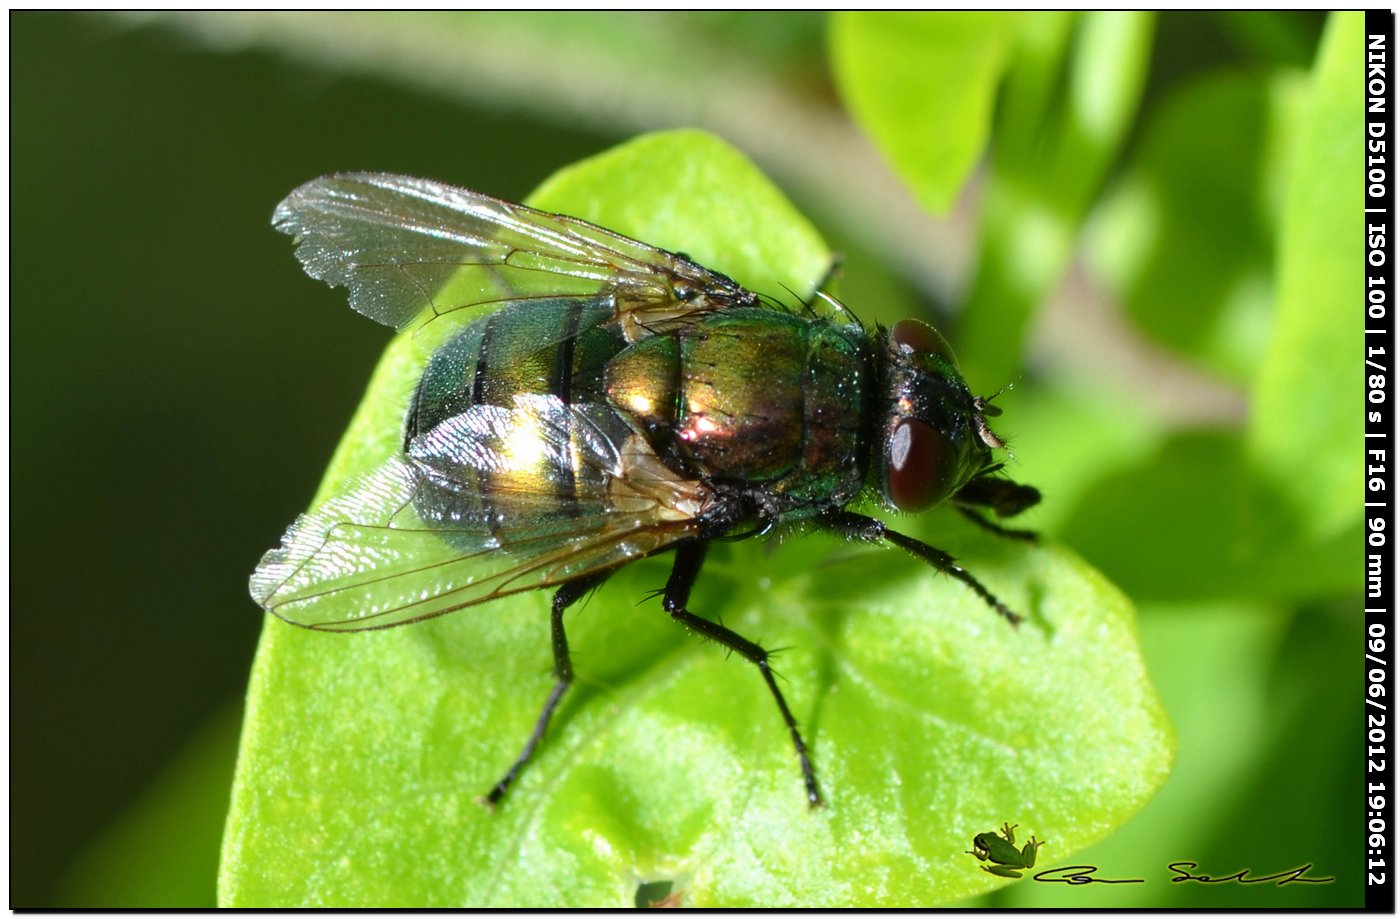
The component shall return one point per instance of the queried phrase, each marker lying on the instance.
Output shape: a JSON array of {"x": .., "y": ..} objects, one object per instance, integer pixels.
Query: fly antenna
[{"x": 987, "y": 400}]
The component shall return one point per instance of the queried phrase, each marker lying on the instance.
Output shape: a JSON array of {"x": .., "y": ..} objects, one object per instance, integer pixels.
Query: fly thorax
[{"x": 756, "y": 398}]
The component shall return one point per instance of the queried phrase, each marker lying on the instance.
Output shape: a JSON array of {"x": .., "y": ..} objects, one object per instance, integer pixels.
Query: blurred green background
[{"x": 1127, "y": 240}]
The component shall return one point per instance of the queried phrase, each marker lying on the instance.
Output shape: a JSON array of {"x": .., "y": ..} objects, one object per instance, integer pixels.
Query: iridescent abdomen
[{"x": 519, "y": 360}]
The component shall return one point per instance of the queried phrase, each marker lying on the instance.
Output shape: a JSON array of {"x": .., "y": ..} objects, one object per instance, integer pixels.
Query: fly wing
[
  {"x": 492, "y": 502},
  {"x": 410, "y": 250}
]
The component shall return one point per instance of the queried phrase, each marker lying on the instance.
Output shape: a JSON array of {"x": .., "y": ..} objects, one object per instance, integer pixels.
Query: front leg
[
  {"x": 869, "y": 529},
  {"x": 1028, "y": 853}
]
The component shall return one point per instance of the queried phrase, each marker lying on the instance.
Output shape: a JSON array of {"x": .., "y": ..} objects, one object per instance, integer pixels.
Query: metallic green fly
[{"x": 603, "y": 401}]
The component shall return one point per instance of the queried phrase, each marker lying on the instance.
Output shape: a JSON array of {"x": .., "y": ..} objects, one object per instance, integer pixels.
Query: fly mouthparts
[{"x": 987, "y": 435}]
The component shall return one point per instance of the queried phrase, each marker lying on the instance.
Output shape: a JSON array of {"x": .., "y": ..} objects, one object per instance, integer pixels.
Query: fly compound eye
[
  {"x": 920, "y": 337},
  {"x": 921, "y": 464}
]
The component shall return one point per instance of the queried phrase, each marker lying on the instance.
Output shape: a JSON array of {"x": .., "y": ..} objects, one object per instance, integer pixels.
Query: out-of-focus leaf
[
  {"x": 1029, "y": 98},
  {"x": 1066, "y": 438},
  {"x": 1225, "y": 807},
  {"x": 1042, "y": 181},
  {"x": 1233, "y": 538},
  {"x": 1304, "y": 430},
  {"x": 1287, "y": 37},
  {"x": 1187, "y": 240},
  {"x": 164, "y": 852},
  {"x": 1312, "y": 677},
  {"x": 929, "y": 719},
  {"x": 923, "y": 86}
]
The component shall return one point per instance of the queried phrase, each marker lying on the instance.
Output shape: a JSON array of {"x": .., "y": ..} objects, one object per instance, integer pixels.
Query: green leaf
[
  {"x": 1230, "y": 540},
  {"x": 923, "y": 86},
  {"x": 929, "y": 718},
  {"x": 1286, "y": 37},
  {"x": 1303, "y": 430},
  {"x": 1187, "y": 239},
  {"x": 1286, "y": 675},
  {"x": 1068, "y": 437},
  {"x": 1199, "y": 653},
  {"x": 163, "y": 852},
  {"x": 1045, "y": 172}
]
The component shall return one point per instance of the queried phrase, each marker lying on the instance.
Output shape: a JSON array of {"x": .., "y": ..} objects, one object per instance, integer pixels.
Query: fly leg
[
  {"x": 998, "y": 529},
  {"x": 564, "y": 597},
  {"x": 1005, "y": 498},
  {"x": 858, "y": 526},
  {"x": 689, "y": 558}
]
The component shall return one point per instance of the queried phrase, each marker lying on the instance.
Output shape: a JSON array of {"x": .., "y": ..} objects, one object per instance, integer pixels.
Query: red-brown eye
[
  {"x": 922, "y": 337},
  {"x": 921, "y": 466}
]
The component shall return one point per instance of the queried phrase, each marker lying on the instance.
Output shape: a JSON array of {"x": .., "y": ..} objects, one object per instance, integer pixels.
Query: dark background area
[{"x": 177, "y": 383}]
